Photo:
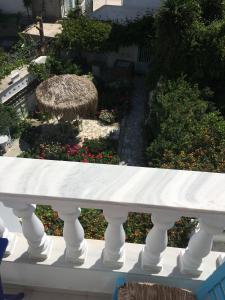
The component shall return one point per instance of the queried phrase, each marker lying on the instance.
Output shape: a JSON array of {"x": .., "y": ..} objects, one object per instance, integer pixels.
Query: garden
[{"x": 184, "y": 123}]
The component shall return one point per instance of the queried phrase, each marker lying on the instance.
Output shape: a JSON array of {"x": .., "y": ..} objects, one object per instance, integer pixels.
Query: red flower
[{"x": 85, "y": 161}]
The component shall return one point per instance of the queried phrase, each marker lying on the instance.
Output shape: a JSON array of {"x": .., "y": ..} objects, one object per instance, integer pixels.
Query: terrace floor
[{"x": 31, "y": 294}]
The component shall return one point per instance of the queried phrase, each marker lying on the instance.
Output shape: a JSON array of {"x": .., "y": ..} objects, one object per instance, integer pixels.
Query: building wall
[
  {"x": 12, "y": 6},
  {"x": 124, "y": 53}
]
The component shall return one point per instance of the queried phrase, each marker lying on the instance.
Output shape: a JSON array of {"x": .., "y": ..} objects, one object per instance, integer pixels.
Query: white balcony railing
[{"x": 67, "y": 186}]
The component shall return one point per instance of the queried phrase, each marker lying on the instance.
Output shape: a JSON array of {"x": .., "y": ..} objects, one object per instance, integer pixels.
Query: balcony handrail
[
  {"x": 67, "y": 186},
  {"x": 137, "y": 189}
]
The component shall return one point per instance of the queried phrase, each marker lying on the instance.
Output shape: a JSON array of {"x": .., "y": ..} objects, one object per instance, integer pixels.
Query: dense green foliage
[
  {"x": 9, "y": 120},
  {"x": 187, "y": 135},
  {"x": 22, "y": 53},
  {"x": 85, "y": 34},
  {"x": 54, "y": 66},
  {"x": 140, "y": 31},
  {"x": 190, "y": 39}
]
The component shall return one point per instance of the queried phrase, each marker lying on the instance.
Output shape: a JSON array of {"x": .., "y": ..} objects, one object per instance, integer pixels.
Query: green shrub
[
  {"x": 54, "y": 66},
  {"x": 22, "y": 53},
  {"x": 107, "y": 117},
  {"x": 187, "y": 136},
  {"x": 9, "y": 120},
  {"x": 83, "y": 34}
]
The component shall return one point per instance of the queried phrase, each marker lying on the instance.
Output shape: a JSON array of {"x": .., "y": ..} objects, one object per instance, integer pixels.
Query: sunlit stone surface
[{"x": 94, "y": 185}]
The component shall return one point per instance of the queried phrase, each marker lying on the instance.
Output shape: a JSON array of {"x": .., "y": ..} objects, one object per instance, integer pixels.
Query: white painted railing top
[{"x": 94, "y": 185}]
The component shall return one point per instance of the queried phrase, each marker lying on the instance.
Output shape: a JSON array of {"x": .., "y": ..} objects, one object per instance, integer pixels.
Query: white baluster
[
  {"x": 4, "y": 233},
  {"x": 114, "y": 254},
  {"x": 73, "y": 233},
  {"x": 33, "y": 230},
  {"x": 157, "y": 240},
  {"x": 200, "y": 245}
]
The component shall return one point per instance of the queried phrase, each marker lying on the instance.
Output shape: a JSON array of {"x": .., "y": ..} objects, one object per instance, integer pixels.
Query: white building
[
  {"x": 51, "y": 9},
  {"x": 121, "y": 10}
]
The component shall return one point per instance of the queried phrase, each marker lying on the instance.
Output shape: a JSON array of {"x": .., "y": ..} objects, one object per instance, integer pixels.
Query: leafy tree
[
  {"x": 83, "y": 34},
  {"x": 8, "y": 119}
]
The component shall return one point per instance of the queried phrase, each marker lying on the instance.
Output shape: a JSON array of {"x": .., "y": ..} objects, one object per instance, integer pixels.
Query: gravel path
[
  {"x": 14, "y": 149},
  {"x": 131, "y": 144}
]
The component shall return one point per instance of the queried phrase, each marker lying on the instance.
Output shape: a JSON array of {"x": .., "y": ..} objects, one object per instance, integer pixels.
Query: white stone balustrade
[
  {"x": 67, "y": 186},
  {"x": 114, "y": 253},
  {"x": 200, "y": 244},
  {"x": 73, "y": 233},
  {"x": 157, "y": 240},
  {"x": 33, "y": 229}
]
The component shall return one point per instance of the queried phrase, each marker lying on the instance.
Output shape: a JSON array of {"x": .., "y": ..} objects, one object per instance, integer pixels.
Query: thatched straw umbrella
[{"x": 68, "y": 97}]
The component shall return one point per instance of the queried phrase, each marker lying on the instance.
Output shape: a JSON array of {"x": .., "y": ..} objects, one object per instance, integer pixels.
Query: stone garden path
[{"x": 131, "y": 144}]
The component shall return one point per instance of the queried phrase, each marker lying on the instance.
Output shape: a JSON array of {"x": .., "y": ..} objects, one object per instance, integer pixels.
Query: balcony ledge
[{"x": 93, "y": 276}]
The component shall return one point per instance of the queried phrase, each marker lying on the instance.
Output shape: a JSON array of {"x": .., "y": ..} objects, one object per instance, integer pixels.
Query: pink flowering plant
[{"x": 91, "y": 151}]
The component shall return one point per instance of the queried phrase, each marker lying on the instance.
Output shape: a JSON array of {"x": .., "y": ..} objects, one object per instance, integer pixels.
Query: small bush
[{"x": 107, "y": 117}]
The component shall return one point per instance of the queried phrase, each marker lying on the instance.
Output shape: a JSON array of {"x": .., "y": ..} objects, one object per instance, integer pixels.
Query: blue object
[
  {"x": 119, "y": 283},
  {"x": 212, "y": 289},
  {"x": 214, "y": 286},
  {"x": 3, "y": 246}
]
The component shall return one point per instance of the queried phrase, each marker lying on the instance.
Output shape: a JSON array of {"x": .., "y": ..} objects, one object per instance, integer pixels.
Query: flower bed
[{"x": 102, "y": 151}]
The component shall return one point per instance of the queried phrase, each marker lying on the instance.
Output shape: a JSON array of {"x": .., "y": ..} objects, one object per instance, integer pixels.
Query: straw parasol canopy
[{"x": 68, "y": 97}]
